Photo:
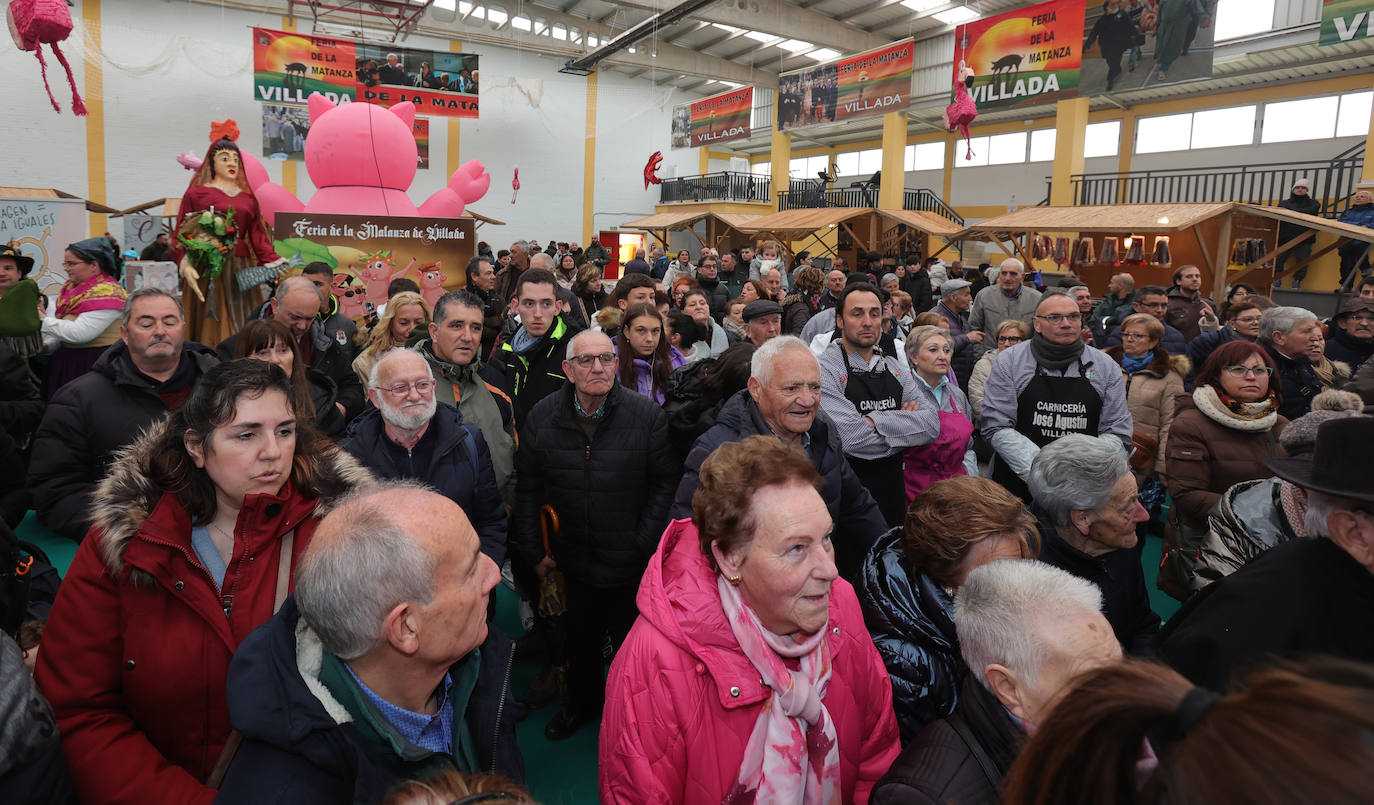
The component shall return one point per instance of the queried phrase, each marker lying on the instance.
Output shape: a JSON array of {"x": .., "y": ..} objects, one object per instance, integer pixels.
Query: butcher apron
[
  {"x": 878, "y": 390},
  {"x": 943, "y": 458},
  {"x": 1051, "y": 406}
]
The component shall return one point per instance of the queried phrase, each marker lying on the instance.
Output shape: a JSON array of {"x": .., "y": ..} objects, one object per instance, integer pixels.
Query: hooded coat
[
  {"x": 1150, "y": 395},
  {"x": 137, "y": 649},
  {"x": 1249, "y": 519},
  {"x": 303, "y": 746},
  {"x": 682, "y": 699},
  {"x": 909, "y": 617},
  {"x": 1205, "y": 458}
]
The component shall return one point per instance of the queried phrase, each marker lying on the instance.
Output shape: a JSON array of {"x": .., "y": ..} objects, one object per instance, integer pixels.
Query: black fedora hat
[
  {"x": 1342, "y": 461},
  {"x": 11, "y": 251}
]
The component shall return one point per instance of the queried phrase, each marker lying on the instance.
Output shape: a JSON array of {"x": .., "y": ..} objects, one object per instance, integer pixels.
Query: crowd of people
[{"x": 841, "y": 535}]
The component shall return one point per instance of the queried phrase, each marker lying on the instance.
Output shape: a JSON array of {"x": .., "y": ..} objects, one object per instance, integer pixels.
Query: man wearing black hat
[
  {"x": 762, "y": 320},
  {"x": 14, "y": 266},
  {"x": 1313, "y": 595},
  {"x": 1352, "y": 337}
]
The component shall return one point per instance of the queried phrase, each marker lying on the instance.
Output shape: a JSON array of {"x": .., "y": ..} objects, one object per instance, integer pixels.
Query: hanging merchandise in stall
[
  {"x": 1061, "y": 251},
  {"x": 1135, "y": 251},
  {"x": 1162, "y": 256},
  {"x": 1084, "y": 254},
  {"x": 1111, "y": 254}
]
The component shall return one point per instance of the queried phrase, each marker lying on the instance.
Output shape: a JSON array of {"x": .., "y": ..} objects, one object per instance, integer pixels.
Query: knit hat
[
  {"x": 1300, "y": 435},
  {"x": 1305, "y": 183}
]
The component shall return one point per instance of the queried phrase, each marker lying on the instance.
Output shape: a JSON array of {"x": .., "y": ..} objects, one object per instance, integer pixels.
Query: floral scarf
[
  {"x": 1229, "y": 412},
  {"x": 100, "y": 292},
  {"x": 793, "y": 753}
]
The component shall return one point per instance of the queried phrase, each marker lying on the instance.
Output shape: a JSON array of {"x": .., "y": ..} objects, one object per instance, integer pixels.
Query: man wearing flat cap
[
  {"x": 1312, "y": 595},
  {"x": 1352, "y": 333},
  {"x": 762, "y": 320}
]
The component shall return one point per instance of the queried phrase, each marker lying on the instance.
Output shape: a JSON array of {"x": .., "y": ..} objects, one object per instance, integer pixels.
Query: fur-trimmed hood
[{"x": 128, "y": 495}]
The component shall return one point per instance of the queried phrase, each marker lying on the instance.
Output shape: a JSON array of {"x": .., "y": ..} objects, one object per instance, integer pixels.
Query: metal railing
[
  {"x": 807, "y": 195},
  {"x": 1333, "y": 183},
  {"x": 720, "y": 186}
]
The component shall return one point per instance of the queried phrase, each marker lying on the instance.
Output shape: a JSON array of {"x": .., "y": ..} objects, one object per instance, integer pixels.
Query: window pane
[
  {"x": 1355, "y": 111},
  {"x": 928, "y": 156},
  {"x": 797, "y": 167},
  {"x": 849, "y": 163},
  {"x": 870, "y": 161},
  {"x": 1237, "y": 18},
  {"x": 1219, "y": 127},
  {"x": 1307, "y": 119},
  {"x": 908, "y": 158},
  {"x": 1042, "y": 145},
  {"x": 761, "y": 168},
  {"x": 1168, "y": 133},
  {"x": 1102, "y": 139},
  {"x": 980, "y": 152},
  {"x": 818, "y": 164},
  {"x": 1007, "y": 149}
]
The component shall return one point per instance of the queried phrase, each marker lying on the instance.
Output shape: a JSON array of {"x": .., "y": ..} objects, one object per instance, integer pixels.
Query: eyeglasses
[
  {"x": 400, "y": 389},
  {"x": 1135, "y": 337},
  {"x": 1247, "y": 319},
  {"x": 68, "y": 264},
  {"x": 1060, "y": 318},
  {"x": 1246, "y": 371},
  {"x": 1009, "y": 339},
  {"x": 585, "y": 361}
]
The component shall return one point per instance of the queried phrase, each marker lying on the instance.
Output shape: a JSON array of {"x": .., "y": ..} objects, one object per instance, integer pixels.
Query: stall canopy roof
[
  {"x": 474, "y": 214},
  {"x": 811, "y": 220},
  {"x": 49, "y": 192},
  {"x": 1145, "y": 219},
  {"x": 681, "y": 219},
  {"x": 925, "y": 221}
]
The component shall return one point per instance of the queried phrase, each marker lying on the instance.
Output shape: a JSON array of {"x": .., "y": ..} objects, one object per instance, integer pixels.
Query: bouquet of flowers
[{"x": 209, "y": 240}]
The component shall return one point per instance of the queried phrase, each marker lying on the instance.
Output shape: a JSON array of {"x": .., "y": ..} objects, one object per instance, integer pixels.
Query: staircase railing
[{"x": 806, "y": 195}]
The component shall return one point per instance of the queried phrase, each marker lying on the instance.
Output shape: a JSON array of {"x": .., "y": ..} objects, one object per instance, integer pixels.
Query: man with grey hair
[
  {"x": 1010, "y": 298},
  {"x": 1093, "y": 331},
  {"x": 409, "y": 434},
  {"x": 598, "y": 455},
  {"x": 782, "y": 399},
  {"x": 1291, "y": 336},
  {"x": 381, "y": 667},
  {"x": 150, "y": 371},
  {"x": 1085, "y": 501},
  {"x": 1026, "y": 631},
  {"x": 1313, "y": 595},
  {"x": 393, "y": 73}
]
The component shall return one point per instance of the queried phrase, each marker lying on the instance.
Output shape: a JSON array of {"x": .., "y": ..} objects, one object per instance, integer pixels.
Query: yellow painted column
[
  {"x": 93, "y": 72},
  {"x": 781, "y": 162},
  {"x": 703, "y": 160},
  {"x": 894, "y": 161},
  {"x": 1368, "y": 174},
  {"x": 1124, "y": 150},
  {"x": 288, "y": 167},
  {"x": 454, "y": 127},
  {"x": 951, "y": 146},
  {"x": 1071, "y": 125},
  {"x": 589, "y": 165}
]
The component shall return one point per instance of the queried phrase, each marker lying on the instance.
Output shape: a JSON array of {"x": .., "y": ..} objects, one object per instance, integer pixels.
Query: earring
[{"x": 734, "y": 582}]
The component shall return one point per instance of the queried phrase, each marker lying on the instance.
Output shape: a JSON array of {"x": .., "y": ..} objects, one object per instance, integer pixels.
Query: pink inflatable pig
[{"x": 362, "y": 159}]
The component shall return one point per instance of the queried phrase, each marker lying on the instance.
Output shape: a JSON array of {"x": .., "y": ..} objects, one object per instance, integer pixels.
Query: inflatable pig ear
[
  {"x": 318, "y": 105},
  {"x": 405, "y": 110}
]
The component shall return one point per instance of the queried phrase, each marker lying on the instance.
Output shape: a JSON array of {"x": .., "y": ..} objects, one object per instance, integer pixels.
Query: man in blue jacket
[
  {"x": 409, "y": 434},
  {"x": 382, "y": 667}
]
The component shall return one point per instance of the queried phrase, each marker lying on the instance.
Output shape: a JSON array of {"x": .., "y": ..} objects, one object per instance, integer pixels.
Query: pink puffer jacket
[{"x": 682, "y": 698}]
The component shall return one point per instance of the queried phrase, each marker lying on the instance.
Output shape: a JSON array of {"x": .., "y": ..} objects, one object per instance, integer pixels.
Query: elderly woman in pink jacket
[{"x": 749, "y": 676}]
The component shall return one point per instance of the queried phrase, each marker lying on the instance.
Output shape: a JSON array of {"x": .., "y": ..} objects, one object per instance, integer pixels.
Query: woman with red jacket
[
  {"x": 749, "y": 675},
  {"x": 168, "y": 583}
]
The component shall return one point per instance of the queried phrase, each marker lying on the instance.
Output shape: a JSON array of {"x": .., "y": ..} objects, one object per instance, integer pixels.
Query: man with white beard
[{"x": 409, "y": 434}]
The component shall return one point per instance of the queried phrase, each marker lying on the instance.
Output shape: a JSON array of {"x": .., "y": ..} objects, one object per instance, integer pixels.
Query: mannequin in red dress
[{"x": 219, "y": 183}]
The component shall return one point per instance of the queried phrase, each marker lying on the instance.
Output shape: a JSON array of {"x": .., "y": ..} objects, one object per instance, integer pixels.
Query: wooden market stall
[
  {"x": 722, "y": 228},
  {"x": 887, "y": 231},
  {"x": 1239, "y": 239}
]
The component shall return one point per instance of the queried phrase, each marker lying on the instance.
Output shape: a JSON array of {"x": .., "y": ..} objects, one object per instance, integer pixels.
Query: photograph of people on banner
[
  {"x": 283, "y": 131},
  {"x": 720, "y": 118},
  {"x": 871, "y": 83},
  {"x": 1133, "y": 44}
]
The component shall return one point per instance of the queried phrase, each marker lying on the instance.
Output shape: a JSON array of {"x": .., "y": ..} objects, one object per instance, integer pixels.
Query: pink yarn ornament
[{"x": 34, "y": 23}]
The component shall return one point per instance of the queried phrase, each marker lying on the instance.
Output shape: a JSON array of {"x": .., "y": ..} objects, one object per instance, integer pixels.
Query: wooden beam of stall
[
  {"x": 845, "y": 225},
  {"x": 1202, "y": 248},
  {"x": 1219, "y": 279},
  {"x": 1322, "y": 252},
  {"x": 1255, "y": 265}
]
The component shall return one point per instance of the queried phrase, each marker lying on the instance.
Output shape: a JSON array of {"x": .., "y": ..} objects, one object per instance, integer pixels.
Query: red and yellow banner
[
  {"x": 1028, "y": 56},
  {"x": 720, "y": 118},
  {"x": 288, "y": 67},
  {"x": 871, "y": 83}
]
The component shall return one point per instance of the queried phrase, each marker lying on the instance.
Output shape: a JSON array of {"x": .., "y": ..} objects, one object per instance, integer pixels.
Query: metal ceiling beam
[
  {"x": 781, "y": 18},
  {"x": 635, "y": 33}
]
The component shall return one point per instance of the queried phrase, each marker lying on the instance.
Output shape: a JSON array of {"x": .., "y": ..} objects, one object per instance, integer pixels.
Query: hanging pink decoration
[
  {"x": 963, "y": 111},
  {"x": 515, "y": 184},
  {"x": 34, "y": 23}
]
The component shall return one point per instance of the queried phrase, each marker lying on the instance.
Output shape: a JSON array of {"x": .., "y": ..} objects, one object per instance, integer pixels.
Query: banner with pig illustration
[
  {"x": 367, "y": 252},
  {"x": 1024, "y": 57}
]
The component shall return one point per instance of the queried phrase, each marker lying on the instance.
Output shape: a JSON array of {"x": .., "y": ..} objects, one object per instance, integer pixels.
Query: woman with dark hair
[
  {"x": 85, "y": 320},
  {"x": 429, "y": 79},
  {"x": 216, "y": 312},
  {"x": 270, "y": 340},
  {"x": 804, "y": 301},
  {"x": 1221, "y": 435},
  {"x": 1239, "y": 292},
  {"x": 587, "y": 287},
  {"x": 714, "y": 339},
  {"x": 646, "y": 357},
  {"x": 908, "y": 582},
  {"x": 752, "y": 290},
  {"x": 168, "y": 583},
  {"x": 1140, "y": 733}
]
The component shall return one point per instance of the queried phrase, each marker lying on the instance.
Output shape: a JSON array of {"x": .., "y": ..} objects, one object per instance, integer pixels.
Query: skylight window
[
  {"x": 794, "y": 45},
  {"x": 923, "y": 5},
  {"x": 521, "y": 23},
  {"x": 956, "y": 16},
  {"x": 497, "y": 16},
  {"x": 759, "y": 37},
  {"x": 823, "y": 54}
]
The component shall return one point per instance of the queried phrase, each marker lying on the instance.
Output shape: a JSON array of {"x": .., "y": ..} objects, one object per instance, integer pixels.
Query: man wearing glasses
[
  {"x": 1153, "y": 300},
  {"x": 411, "y": 435},
  {"x": 1048, "y": 387},
  {"x": 597, "y": 456},
  {"x": 1352, "y": 339},
  {"x": 533, "y": 358}
]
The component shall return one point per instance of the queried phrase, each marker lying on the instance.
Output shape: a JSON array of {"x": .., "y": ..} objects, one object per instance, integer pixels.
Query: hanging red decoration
[
  {"x": 34, "y": 23},
  {"x": 651, "y": 169}
]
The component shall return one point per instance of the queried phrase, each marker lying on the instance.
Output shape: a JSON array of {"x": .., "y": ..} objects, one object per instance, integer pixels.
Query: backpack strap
[{"x": 984, "y": 762}]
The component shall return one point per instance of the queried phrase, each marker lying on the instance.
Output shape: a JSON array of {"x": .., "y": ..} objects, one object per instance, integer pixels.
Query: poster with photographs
[
  {"x": 720, "y": 118},
  {"x": 1134, "y": 44},
  {"x": 367, "y": 252},
  {"x": 871, "y": 83}
]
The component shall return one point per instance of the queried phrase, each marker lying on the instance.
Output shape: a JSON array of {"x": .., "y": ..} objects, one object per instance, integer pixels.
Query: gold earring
[{"x": 734, "y": 582}]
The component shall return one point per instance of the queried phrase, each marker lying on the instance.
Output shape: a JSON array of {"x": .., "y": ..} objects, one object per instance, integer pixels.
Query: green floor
[{"x": 562, "y": 773}]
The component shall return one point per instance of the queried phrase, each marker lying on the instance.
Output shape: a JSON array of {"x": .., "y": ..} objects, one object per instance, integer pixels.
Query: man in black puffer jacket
[
  {"x": 779, "y": 402},
  {"x": 599, "y": 455}
]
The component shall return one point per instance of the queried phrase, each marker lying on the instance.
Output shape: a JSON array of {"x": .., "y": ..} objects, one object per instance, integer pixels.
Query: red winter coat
[
  {"x": 137, "y": 649},
  {"x": 682, "y": 698}
]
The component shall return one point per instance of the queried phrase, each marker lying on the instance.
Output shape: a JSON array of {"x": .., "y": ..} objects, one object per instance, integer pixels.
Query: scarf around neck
[
  {"x": 793, "y": 752},
  {"x": 1133, "y": 365},
  {"x": 1255, "y": 417},
  {"x": 100, "y": 292},
  {"x": 1055, "y": 356}
]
